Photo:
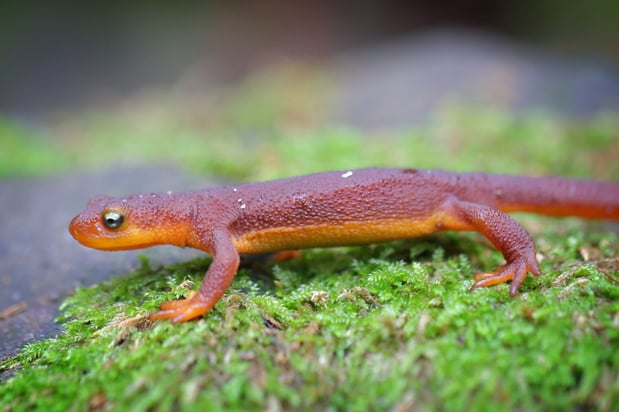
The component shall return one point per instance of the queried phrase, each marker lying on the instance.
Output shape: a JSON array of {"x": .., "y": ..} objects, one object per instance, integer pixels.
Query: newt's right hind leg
[{"x": 504, "y": 233}]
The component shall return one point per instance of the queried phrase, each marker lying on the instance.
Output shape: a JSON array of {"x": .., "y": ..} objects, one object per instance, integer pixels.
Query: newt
[{"x": 349, "y": 207}]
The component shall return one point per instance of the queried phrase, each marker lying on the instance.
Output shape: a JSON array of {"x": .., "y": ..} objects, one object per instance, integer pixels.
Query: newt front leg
[
  {"x": 504, "y": 233},
  {"x": 217, "y": 279}
]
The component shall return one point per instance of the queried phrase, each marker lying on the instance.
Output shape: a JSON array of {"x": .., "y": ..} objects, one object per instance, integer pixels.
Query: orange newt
[{"x": 338, "y": 208}]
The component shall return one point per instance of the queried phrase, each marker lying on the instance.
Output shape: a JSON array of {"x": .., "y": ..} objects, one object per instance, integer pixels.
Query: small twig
[{"x": 14, "y": 310}]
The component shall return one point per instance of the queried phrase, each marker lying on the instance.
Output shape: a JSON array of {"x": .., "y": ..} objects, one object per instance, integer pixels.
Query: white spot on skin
[
  {"x": 241, "y": 204},
  {"x": 169, "y": 192},
  {"x": 347, "y": 174},
  {"x": 234, "y": 189}
]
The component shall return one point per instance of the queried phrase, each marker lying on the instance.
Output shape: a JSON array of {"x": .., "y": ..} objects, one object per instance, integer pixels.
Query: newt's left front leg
[
  {"x": 503, "y": 232},
  {"x": 217, "y": 279}
]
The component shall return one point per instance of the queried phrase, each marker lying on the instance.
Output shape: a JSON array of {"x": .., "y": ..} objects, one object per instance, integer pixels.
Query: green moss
[{"x": 347, "y": 328}]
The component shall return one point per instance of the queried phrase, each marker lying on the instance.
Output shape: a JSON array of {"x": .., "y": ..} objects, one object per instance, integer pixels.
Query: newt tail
[{"x": 348, "y": 207}]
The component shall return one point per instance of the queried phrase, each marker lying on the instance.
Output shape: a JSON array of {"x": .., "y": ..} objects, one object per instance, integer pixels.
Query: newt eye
[{"x": 113, "y": 220}]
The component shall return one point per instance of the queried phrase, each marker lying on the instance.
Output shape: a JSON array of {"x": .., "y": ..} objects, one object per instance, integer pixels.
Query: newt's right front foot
[{"x": 183, "y": 310}]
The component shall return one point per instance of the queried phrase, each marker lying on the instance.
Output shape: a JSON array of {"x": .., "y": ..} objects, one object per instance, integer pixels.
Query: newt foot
[
  {"x": 516, "y": 271},
  {"x": 182, "y": 310}
]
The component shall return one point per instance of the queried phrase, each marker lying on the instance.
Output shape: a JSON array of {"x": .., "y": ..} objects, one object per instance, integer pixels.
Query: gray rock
[{"x": 407, "y": 81}]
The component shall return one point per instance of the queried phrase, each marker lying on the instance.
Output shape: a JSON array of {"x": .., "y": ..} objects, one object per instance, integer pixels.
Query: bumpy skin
[{"x": 338, "y": 208}]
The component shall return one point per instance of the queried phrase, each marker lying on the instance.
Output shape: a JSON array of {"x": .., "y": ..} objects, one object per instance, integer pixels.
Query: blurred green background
[{"x": 209, "y": 84}]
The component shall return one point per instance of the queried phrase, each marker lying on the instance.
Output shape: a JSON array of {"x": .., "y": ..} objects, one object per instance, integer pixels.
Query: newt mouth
[{"x": 91, "y": 232}]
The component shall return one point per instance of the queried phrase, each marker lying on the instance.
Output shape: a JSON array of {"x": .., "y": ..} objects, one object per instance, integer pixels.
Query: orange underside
[
  {"x": 134, "y": 238},
  {"x": 347, "y": 233}
]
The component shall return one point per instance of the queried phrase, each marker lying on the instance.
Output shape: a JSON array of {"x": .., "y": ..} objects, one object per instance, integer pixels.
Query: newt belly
[
  {"x": 325, "y": 235},
  {"x": 334, "y": 209}
]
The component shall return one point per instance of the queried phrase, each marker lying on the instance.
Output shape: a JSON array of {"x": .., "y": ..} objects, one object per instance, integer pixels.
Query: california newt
[{"x": 338, "y": 208}]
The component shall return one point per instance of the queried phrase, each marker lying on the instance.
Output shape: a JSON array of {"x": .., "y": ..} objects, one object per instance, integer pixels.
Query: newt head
[{"x": 131, "y": 222}]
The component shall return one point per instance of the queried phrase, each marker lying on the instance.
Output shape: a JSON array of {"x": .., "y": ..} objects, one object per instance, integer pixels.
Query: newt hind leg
[
  {"x": 504, "y": 233},
  {"x": 515, "y": 271}
]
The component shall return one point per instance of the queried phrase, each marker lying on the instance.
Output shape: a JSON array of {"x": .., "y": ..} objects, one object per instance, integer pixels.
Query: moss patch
[{"x": 346, "y": 329}]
